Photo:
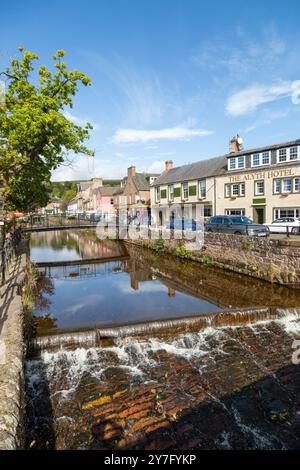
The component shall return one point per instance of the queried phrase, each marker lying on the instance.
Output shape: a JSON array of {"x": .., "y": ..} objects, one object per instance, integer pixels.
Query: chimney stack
[
  {"x": 235, "y": 144},
  {"x": 131, "y": 172},
  {"x": 169, "y": 165}
]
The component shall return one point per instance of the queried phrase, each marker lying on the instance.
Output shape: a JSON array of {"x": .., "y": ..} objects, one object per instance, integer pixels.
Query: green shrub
[
  {"x": 206, "y": 261},
  {"x": 182, "y": 252},
  {"x": 159, "y": 245}
]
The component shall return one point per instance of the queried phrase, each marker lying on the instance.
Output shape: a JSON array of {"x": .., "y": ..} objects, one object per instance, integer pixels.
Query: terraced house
[
  {"x": 192, "y": 185},
  {"x": 262, "y": 183},
  {"x": 135, "y": 192}
]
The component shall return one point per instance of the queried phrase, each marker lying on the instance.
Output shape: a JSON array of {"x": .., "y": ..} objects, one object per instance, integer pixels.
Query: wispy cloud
[
  {"x": 88, "y": 167},
  {"x": 173, "y": 133},
  {"x": 139, "y": 98},
  {"x": 250, "y": 98},
  {"x": 242, "y": 57},
  {"x": 157, "y": 166},
  {"x": 267, "y": 117}
]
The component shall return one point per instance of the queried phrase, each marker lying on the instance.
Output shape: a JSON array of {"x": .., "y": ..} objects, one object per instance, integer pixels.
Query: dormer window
[
  {"x": 294, "y": 153},
  {"x": 282, "y": 156},
  {"x": 236, "y": 163},
  {"x": 241, "y": 162},
  {"x": 288, "y": 154},
  {"x": 256, "y": 159},
  {"x": 152, "y": 179},
  {"x": 232, "y": 164},
  {"x": 266, "y": 158},
  {"x": 260, "y": 159}
]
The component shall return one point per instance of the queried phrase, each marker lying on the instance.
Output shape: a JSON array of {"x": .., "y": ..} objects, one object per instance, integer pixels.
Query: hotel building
[{"x": 262, "y": 183}]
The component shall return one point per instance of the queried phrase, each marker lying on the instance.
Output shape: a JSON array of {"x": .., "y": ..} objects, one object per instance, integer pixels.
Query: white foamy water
[
  {"x": 137, "y": 356},
  {"x": 64, "y": 370}
]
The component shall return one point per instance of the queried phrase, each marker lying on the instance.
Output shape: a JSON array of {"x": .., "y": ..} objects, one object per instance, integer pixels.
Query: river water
[{"x": 227, "y": 382}]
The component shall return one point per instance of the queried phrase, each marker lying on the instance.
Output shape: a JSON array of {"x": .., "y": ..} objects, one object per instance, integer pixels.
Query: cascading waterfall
[
  {"x": 231, "y": 318},
  {"x": 137, "y": 357}
]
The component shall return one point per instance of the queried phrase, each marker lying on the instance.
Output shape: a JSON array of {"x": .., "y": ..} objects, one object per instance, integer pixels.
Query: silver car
[{"x": 236, "y": 224}]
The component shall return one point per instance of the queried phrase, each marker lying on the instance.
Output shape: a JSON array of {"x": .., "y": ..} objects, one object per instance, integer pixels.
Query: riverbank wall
[
  {"x": 275, "y": 261},
  {"x": 12, "y": 355}
]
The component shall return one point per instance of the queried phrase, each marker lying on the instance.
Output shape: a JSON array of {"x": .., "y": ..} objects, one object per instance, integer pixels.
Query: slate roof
[
  {"x": 119, "y": 191},
  {"x": 203, "y": 169},
  {"x": 108, "y": 190},
  {"x": 290, "y": 143},
  {"x": 212, "y": 167},
  {"x": 141, "y": 181},
  {"x": 85, "y": 185}
]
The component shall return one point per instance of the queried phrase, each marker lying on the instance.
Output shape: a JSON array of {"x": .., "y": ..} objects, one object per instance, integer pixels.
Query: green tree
[{"x": 35, "y": 135}]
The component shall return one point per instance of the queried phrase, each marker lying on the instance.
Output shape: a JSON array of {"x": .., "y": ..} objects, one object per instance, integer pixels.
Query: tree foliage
[{"x": 35, "y": 134}]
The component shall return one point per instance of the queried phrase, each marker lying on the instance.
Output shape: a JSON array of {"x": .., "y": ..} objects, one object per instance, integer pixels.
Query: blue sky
[{"x": 171, "y": 79}]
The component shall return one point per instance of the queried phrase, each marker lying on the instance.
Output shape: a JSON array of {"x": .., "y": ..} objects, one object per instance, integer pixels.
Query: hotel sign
[{"x": 261, "y": 175}]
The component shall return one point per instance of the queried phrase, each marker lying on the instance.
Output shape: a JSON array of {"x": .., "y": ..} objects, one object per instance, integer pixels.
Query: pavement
[{"x": 12, "y": 356}]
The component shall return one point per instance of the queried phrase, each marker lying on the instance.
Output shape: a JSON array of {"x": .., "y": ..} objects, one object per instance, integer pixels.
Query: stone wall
[
  {"x": 264, "y": 258},
  {"x": 12, "y": 357}
]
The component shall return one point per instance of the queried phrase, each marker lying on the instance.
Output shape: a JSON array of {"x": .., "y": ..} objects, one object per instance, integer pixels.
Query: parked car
[
  {"x": 182, "y": 224},
  {"x": 238, "y": 224},
  {"x": 284, "y": 225}
]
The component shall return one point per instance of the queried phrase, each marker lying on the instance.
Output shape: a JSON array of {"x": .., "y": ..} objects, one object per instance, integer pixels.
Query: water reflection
[
  {"x": 142, "y": 287},
  {"x": 69, "y": 245}
]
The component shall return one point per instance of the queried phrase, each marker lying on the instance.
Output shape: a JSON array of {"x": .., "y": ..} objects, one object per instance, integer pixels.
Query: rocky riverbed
[{"x": 229, "y": 387}]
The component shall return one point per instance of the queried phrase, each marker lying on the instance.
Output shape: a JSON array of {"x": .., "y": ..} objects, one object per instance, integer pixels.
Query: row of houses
[
  {"x": 262, "y": 183},
  {"x": 133, "y": 193}
]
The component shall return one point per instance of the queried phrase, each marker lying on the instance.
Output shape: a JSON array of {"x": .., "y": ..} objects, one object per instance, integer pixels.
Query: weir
[{"x": 171, "y": 327}]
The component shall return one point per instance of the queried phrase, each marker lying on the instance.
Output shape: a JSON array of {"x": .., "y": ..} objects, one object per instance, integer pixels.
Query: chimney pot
[{"x": 169, "y": 165}]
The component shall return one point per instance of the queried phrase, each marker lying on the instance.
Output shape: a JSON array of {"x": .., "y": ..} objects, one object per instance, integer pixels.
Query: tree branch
[{"x": 8, "y": 75}]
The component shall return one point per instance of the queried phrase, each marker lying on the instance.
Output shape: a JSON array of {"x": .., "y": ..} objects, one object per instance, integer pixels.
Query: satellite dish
[{"x": 240, "y": 140}]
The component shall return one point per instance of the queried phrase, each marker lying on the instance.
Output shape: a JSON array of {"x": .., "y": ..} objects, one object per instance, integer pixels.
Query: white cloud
[
  {"x": 173, "y": 133},
  {"x": 80, "y": 121},
  {"x": 249, "y": 99},
  {"x": 156, "y": 167},
  {"x": 89, "y": 167}
]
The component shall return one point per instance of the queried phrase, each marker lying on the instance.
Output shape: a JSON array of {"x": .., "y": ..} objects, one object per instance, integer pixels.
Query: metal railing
[{"x": 8, "y": 251}]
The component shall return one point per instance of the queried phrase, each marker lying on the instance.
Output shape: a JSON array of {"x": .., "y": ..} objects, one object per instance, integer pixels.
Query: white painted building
[{"x": 262, "y": 183}]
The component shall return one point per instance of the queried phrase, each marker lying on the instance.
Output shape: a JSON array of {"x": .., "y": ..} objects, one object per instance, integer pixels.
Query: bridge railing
[{"x": 56, "y": 220}]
